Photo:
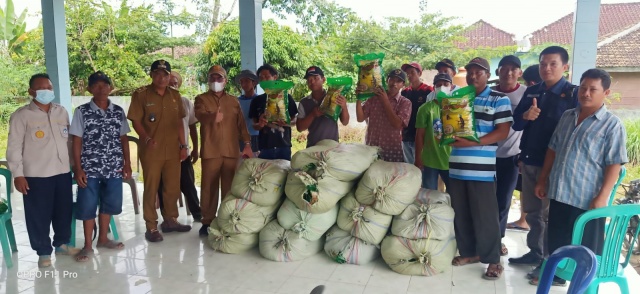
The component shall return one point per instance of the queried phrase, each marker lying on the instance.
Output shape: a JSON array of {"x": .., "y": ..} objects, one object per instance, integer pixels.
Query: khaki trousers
[
  {"x": 215, "y": 171},
  {"x": 169, "y": 172}
]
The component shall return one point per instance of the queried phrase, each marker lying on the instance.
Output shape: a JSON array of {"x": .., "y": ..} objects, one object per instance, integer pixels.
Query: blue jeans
[
  {"x": 106, "y": 192},
  {"x": 276, "y": 153},
  {"x": 430, "y": 177},
  {"x": 409, "y": 151}
]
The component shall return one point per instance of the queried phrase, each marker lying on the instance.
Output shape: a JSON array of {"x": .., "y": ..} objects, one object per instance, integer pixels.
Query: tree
[
  {"x": 12, "y": 28},
  {"x": 211, "y": 16},
  {"x": 318, "y": 17}
]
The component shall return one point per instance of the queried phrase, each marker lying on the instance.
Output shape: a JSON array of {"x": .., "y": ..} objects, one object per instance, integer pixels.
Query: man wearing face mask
[
  {"x": 508, "y": 149},
  {"x": 221, "y": 125},
  {"x": 388, "y": 113},
  {"x": 445, "y": 66},
  {"x": 156, "y": 112},
  {"x": 38, "y": 155},
  {"x": 432, "y": 158}
]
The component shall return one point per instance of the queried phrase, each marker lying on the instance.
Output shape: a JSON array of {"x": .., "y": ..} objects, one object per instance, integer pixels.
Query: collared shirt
[
  {"x": 478, "y": 163},
  {"x": 220, "y": 139},
  {"x": 511, "y": 145},
  {"x": 536, "y": 134},
  {"x": 188, "y": 120},
  {"x": 417, "y": 97},
  {"x": 583, "y": 151},
  {"x": 160, "y": 116},
  {"x": 322, "y": 127},
  {"x": 39, "y": 143},
  {"x": 102, "y": 155},
  {"x": 379, "y": 130}
]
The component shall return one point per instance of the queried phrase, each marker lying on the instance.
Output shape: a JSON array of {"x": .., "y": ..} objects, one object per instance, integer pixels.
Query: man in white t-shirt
[
  {"x": 508, "y": 150},
  {"x": 187, "y": 175}
]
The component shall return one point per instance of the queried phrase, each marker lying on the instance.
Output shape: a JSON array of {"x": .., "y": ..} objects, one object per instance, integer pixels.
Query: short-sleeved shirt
[
  {"x": 433, "y": 155},
  {"x": 478, "y": 163},
  {"x": 379, "y": 130},
  {"x": 188, "y": 120},
  {"x": 511, "y": 145},
  {"x": 583, "y": 151},
  {"x": 102, "y": 154},
  {"x": 269, "y": 138},
  {"x": 39, "y": 142},
  {"x": 160, "y": 117},
  {"x": 417, "y": 97},
  {"x": 220, "y": 139},
  {"x": 245, "y": 104},
  {"x": 322, "y": 127}
]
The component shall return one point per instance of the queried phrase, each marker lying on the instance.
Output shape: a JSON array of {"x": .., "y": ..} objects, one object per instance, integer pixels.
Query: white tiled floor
[{"x": 184, "y": 263}]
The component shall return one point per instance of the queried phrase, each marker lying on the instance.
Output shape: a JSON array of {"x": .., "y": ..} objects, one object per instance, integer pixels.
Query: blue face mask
[{"x": 45, "y": 96}]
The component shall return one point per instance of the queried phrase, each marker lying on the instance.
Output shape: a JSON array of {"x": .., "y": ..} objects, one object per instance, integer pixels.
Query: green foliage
[
  {"x": 12, "y": 28},
  {"x": 632, "y": 126}
]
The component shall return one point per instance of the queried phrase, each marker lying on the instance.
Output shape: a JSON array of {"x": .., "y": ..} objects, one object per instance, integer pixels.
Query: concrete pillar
[
  {"x": 55, "y": 50},
  {"x": 251, "y": 34},
  {"x": 586, "y": 20}
]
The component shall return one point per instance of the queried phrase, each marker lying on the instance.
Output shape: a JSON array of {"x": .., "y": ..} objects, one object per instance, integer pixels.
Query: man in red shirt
[
  {"x": 416, "y": 92},
  {"x": 387, "y": 114}
]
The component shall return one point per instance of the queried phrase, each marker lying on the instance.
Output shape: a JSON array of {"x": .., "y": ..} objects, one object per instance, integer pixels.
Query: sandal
[
  {"x": 503, "y": 250},
  {"x": 44, "y": 261},
  {"x": 460, "y": 261},
  {"x": 515, "y": 226},
  {"x": 494, "y": 271},
  {"x": 84, "y": 254},
  {"x": 65, "y": 249},
  {"x": 111, "y": 244},
  {"x": 556, "y": 282}
]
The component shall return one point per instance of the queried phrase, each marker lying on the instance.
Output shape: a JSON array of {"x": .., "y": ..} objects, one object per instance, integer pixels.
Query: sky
[{"x": 519, "y": 17}]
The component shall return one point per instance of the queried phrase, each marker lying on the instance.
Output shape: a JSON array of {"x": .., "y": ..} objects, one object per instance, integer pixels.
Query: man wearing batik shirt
[
  {"x": 387, "y": 113},
  {"x": 582, "y": 165},
  {"x": 472, "y": 167},
  {"x": 416, "y": 92}
]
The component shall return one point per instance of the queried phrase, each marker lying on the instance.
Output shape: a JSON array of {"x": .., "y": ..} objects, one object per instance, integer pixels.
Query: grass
[{"x": 632, "y": 127}]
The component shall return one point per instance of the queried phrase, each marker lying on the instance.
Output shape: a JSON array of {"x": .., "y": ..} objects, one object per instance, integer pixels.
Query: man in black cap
[
  {"x": 310, "y": 117},
  {"x": 508, "y": 149},
  {"x": 531, "y": 75},
  {"x": 387, "y": 112},
  {"x": 444, "y": 66},
  {"x": 248, "y": 82},
  {"x": 101, "y": 153},
  {"x": 156, "y": 112}
]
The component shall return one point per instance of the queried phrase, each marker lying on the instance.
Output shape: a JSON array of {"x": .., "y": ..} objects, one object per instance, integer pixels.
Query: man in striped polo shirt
[{"x": 472, "y": 171}]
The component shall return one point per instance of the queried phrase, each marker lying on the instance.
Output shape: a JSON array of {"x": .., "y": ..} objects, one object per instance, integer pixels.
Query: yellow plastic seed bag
[
  {"x": 369, "y": 74},
  {"x": 458, "y": 117},
  {"x": 336, "y": 87},
  {"x": 277, "y": 100}
]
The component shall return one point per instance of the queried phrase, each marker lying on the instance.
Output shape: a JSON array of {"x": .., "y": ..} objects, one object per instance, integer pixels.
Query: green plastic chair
[
  {"x": 623, "y": 174},
  {"x": 7, "y": 236},
  {"x": 610, "y": 269},
  {"x": 112, "y": 223}
]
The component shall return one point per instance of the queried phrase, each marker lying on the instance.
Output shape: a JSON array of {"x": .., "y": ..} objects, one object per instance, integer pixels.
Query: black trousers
[
  {"x": 562, "y": 218},
  {"x": 476, "y": 219},
  {"x": 188, "y": 188},
  {"x": 506, "y": 179},
  {"x": 48, "y": 203}
]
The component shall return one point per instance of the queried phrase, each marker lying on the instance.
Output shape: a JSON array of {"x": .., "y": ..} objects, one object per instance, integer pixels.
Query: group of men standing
[{"x": 551, "y": 132}]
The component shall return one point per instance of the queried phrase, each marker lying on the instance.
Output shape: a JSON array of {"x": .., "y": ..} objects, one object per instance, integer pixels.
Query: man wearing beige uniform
[
  {"x": 221, "y": 125},
  {"x": 38, "y": 157}
]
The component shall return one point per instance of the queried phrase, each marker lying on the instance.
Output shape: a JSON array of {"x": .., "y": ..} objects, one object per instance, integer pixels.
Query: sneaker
[
  {"x": 44, "y": 261},
  {"x": 153, "y": 236},
  {"x": 172, "y": 225},
  {"x": 528, "y": 259},
  {"x": 65, "y": 249},
  {"x": 204, "y": 230}
]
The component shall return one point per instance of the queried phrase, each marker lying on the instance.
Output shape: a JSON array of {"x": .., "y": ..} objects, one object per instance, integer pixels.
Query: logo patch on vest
[{"x": 39, "y": 134}]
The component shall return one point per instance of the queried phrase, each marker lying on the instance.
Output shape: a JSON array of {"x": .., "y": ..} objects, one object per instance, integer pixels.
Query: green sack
[
  {"x": 277, "y": 100},
  {"x": 457, "y": 115},
  {"x": 370, "y": 74},
  {"x": 4, "y": 206},
  {"x": 336, "y": 87}
]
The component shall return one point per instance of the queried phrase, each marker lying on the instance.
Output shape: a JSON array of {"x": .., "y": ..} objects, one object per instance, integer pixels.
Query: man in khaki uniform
[
  {"x": 221, "y": 125},
  {"x": 38, "y": 157},
  {"x": 156, "y": 112}
]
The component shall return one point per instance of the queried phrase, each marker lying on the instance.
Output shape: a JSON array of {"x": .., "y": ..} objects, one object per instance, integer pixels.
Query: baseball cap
[
  {"x": 313, "y": 71},
  {"x": 216, "y": 69},
  {"x": 510, "y": 59},
  {"x": 442, "y": 77},
  {"x": 446, "y": 63},
  {"x": 532, "y": 73},
  {"x": 98, "y": 76},
  {"x": 161, "y": 64},
  {"x": 478, "y": 61},
  {"x": 415, "y": 65},
  {"x": 398, "y": 73},
  {"x": 249, "y": 74}
]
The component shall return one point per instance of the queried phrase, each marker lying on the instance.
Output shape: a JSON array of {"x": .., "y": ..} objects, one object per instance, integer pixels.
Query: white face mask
[
  {"x": 444, "y": 89},
  {"x": 45, "y": 96},
  {"x": 216, "y": 86}
]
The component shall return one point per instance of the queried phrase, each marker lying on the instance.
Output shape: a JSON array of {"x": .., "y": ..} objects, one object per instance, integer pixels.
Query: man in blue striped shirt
[
  {"x": 472, "y": 171},
  {"x": 582, "y": 164}
]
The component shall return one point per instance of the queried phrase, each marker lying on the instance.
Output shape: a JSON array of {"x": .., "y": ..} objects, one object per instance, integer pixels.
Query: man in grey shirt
[{"x": 311, "y": 118}]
